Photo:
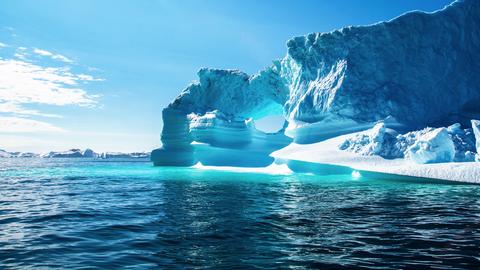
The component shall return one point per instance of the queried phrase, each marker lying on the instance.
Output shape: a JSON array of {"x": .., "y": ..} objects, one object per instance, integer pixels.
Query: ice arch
[{"x": 212, "y": 120}]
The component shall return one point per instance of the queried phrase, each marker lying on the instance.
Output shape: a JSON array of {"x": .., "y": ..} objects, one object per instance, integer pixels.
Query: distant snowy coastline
[{"x": 75, "y": 153}]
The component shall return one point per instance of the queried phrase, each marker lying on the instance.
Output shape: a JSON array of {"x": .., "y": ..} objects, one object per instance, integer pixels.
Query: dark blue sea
[{"x": 85, "y": 214}]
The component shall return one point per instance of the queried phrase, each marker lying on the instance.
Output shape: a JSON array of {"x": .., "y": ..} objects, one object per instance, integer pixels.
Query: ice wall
[{"x": 420, "y": 68}]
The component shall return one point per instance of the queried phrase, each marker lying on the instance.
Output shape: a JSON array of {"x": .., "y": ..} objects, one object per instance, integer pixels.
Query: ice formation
[
  {"x": 476, "y": 131},
  {"x": 107, "y": 155},
  {"x": 72, "y": 153},
  {"x": 427, "y": 145},
  {"x": 89, "y": 153},
  {"x": 418, "y": 70},
  {"x": 434, "y": 147},
  {"x": 212, "y": 121},
  {"x": 4, "y": 154}
]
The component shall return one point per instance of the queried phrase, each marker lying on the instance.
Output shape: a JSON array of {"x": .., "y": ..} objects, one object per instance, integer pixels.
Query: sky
[{"x": 96, "y": 74}]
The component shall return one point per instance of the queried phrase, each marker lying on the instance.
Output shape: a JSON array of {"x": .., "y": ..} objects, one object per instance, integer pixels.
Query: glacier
[{"x": 406, "y": 89}]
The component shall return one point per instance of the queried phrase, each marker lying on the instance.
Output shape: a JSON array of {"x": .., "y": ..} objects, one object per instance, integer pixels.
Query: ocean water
[{"x": 76, "y": 213}]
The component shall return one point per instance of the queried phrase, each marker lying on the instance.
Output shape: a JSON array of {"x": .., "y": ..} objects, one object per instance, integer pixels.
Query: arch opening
[{"x": 270, "y": 123}]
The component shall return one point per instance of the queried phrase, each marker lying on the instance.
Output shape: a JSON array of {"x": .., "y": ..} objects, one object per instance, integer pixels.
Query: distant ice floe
[{"x": 75, "y": 153}]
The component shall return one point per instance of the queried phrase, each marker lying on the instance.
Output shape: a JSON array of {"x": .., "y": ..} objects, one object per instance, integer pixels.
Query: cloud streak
[
  {"x": 58, "y": 57},
  {"x": 16, "y": 109},
  {"x": 25, "y": 81},
  {"x": 22, "y": 82}
]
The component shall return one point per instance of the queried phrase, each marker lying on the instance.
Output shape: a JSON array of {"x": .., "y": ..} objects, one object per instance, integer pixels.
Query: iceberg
[
  {"x": 139, "y": 155},
  {"x": 387, "y": 90},
  {"x": 4, "y": 154},
  {"x": 72, "y": 153}
]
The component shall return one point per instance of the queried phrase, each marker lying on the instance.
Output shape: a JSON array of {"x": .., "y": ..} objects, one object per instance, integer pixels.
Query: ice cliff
[{"x": 417, "y": 70}]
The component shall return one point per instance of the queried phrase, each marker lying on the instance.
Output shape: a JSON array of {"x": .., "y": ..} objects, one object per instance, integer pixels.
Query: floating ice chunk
[{"x": 434, "y": 147}]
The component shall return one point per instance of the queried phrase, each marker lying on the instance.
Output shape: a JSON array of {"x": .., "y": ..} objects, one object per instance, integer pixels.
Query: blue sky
[{"x": 88, "y": 73}]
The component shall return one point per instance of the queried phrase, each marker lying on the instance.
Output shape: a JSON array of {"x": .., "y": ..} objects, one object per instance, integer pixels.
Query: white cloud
[
  {"x": 52, "y": 55},
  {"x": 10, "y": 124},
  {"x": 17, "y": 109},
  {"x": 21, "y": 53},
  {"x": 23, "y": 82},
  {"x": 3, "y": 45}
]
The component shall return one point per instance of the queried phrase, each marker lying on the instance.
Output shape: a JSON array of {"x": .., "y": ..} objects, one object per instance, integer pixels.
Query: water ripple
[{"x": 108, "y": 215}]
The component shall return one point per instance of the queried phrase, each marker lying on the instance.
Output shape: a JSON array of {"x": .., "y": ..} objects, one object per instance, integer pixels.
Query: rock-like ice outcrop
[
  {"x": 417, "y": 70},
  {"x": 427, "y": 145},
  {"x": 434, "y": 147},
  {"x": 379, "y": 141}
]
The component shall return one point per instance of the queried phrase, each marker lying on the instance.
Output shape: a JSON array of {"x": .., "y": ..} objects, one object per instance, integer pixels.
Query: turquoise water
[{"x": 76, "y": 213}]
